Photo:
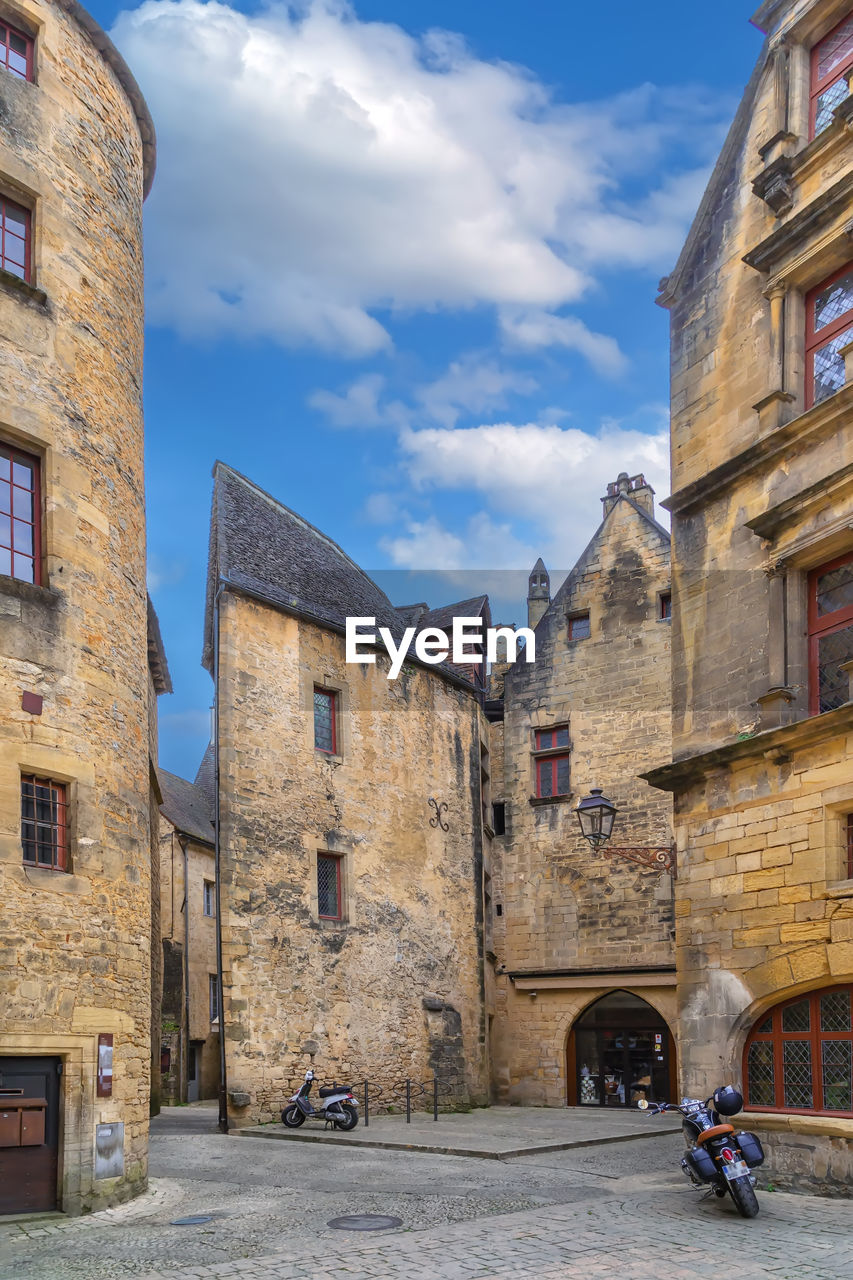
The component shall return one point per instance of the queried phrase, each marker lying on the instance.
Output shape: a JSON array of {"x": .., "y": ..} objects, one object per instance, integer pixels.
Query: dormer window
[
  {"x": 832, "y": 61},
  {"x": 16, "y": 52}
]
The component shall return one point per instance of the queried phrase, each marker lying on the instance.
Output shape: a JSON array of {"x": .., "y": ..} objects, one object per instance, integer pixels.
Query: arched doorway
[{"x": 619, "y": 1050}]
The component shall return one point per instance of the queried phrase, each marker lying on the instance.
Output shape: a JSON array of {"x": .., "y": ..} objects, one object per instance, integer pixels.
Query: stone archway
[{"x": 620, "y": 1049}]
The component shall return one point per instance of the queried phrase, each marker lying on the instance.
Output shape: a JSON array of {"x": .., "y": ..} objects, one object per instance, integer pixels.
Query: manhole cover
[
  {"x": 194, "y": 1220},
  {"x": 365, "y": 1222}
]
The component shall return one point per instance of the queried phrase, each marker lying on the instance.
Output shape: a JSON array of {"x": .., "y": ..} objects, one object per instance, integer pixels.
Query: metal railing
[{"x": 403, "y": 1093}]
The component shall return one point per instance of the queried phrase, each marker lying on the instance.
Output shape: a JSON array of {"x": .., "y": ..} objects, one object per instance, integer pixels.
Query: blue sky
[{"x": 400, "y": 268}]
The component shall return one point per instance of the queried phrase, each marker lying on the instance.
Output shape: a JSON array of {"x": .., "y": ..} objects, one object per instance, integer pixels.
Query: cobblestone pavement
[{"x": 618, "y": 1211}]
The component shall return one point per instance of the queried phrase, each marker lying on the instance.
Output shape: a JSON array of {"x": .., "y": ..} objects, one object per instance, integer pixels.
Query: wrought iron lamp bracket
[
  {"x": 439, "y": 810},
  {"x": 659, "y": 857}
]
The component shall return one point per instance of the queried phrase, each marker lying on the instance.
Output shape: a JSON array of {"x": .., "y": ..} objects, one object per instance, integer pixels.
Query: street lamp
[{"x": 596, "y": 815}]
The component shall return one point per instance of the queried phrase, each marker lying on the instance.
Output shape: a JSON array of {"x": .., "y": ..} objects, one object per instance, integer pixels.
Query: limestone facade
[
  {"x": 380, "y": 973},
  {"x": 762, "y": 457},
  {"x": 76, "y": 151},
  {"x": 573, "y": 925}
]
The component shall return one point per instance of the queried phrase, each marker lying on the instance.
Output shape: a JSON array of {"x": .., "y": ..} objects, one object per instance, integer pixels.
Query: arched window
[{"x": 799, "y": 1057}]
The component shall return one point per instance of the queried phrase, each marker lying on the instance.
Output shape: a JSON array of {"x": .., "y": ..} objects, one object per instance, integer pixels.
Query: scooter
[
  {"x": 339, "y": 1107},
  {"x": 718, "y": 1157}
]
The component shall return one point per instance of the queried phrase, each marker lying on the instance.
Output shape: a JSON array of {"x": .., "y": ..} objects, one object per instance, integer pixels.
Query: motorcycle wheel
[
  {"x": 292, "y": 1117},
  {"x": 349, "y": 1119},
  {"x": 744, "y": 1197}
]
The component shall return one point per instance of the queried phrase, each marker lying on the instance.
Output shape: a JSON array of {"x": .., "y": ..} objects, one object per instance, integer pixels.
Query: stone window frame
[
  {"x": 345, "y": 887},
  {"x": 814, "y": 1037},
  {"x": 36, "y": 460},
  {"x": 813, "y": 341},
  {"x": 840, "y": 72},
  {"x": 837, "y": 811},
  {"x": 550, "y": 755},
  {"x": 24, "y": 32},
  {"x": 664, "y": 605},
  {"x": 332, "y": 696},
  {"x": 61, "y": 861},
  {"x": 815, "y": 631},
  {"x": 208, "y": 898},
  {"x": 578, "y": 615},
  {"x": 327, "y": 682},
  {"x": 213, "y": 998},
  {"x": 12, "y": 202}
]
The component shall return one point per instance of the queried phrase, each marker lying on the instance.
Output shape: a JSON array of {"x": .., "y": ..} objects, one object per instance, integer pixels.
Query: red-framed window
[
  {"x": 829, "y": 327},
  {"x": 15, "y": 238},
  {"x": 830, "y": 626},
  {"x": 848, "y": 831},
  {"x": 16, "y": 51},
  {"x": 832, "y": 58},
  {"x": 44, "y": 823},
  {"x": 551, "y": 753},
  {"x": 579, "y": 627},
  {"x": 20, "y": 514},
  {"x": 665, "y": 606},
  {"x": 329, "y": 897},
  {"x": 799, "y": 1057},
  {"x": 326, "y": 721}
]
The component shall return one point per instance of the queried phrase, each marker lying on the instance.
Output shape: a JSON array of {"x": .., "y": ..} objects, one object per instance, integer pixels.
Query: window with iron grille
[
  {"x": 829, "y": 328},
  {"x": 16, "y": 52},
  {"x": 799, "y": 1056},
  {"x": 329, "y": 903},
  {"x": 20, "y": 515},
  {"x": 44, "y": 823},
  {"x": 213, "y": 996},
  {"x": 579, "y": 627},
  {"x": 832, "y": 59},
  {"x": 665, "y": 606},
  {"x": 15, "y": 227},
  {"x": 209, "y": 898},
  {"x": 830, "y": 627},
  {"x": 551, "y": 755},
  {"x": 325, "y": 721}
]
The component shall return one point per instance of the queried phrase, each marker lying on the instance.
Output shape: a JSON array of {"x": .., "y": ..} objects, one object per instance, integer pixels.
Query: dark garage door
[{"x": 28, "y": 1166}]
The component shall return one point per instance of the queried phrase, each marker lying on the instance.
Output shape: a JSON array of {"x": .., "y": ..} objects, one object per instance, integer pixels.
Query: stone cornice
[
  {"x": 772, "y": 743},
  {"x": 768, "y": 524},
  {"x": 824, "y": 417},
  {"x": 790, "y": 238}
]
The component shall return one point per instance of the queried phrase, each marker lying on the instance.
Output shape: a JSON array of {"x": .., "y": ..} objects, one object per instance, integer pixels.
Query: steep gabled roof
[
  {"x": 206, "y": 776},
  {"x": 260, "y": 545},
  {"x": 476, "y": 607},
  {"x": 187, "y": 806}
]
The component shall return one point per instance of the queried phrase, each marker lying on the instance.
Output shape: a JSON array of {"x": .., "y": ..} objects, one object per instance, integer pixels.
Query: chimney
[
  {"x": 634, "y": 487},
  {"x": 538, "y": 593}
]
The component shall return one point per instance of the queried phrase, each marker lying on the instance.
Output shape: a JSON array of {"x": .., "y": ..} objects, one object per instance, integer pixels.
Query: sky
[{"x": 401, "y": 261}]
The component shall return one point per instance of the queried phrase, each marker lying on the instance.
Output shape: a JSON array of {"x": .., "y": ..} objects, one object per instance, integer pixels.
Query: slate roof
[
  {"x": 476, "y": 607},
  {"x": 187, "y": 806},
  {"x": 206, "y": 776},
  {"x": 157, "y": 664},
  {"x": 260, "y": 545}
]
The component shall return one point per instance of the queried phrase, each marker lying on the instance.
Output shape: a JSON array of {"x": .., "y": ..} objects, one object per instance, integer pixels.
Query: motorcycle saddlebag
[
  {"x": 750, "y": 1145},
  {"x": 702, "y": 1164}
]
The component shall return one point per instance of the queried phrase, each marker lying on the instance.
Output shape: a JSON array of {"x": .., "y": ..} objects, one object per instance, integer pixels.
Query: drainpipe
[
  {"x": 185, "y": 1038},
  {"x": 223, "y": 1082}
]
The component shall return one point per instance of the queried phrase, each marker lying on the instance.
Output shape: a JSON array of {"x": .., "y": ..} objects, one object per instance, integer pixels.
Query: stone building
[
  {"x": 189, "y": 1035},
  {"x": 76, "y": 158},
  {"x": 351, "y": 844},
  {"x": 585, "y": 986},
  {"x": 761, "y": 305}
]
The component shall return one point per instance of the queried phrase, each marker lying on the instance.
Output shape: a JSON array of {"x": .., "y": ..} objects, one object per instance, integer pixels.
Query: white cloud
[
  {"x": 316, "y": 170},
  {"x": 357, "y": 407},
  {"x": 534, "y": 329},
  {"x": 428, "y": 545},
  {"x": 551, "y": 476}
]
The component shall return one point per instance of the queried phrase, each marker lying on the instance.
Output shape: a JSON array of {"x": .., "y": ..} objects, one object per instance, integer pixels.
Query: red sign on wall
[{"x": 105, "y": 1065}]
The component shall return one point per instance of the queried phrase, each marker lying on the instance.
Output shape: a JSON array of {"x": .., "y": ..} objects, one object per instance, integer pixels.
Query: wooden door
[{"x": 28, "y": 1166}]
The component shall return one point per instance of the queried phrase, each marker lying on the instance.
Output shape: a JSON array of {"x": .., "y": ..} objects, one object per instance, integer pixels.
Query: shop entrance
[
  {"x": 619, "y": 1051},
  {"x": 29, "y": 1134}
]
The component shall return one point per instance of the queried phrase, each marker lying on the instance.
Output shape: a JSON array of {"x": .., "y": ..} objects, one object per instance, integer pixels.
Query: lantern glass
[{"x": 596, "y": 815}]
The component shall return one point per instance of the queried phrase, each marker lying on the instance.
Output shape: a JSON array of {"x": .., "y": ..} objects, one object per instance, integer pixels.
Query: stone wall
[
  {"x": 75, "y": 944},
  {"x": 395, "y": 989}
]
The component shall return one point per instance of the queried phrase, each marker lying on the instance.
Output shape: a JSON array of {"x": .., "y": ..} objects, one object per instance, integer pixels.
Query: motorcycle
[
  {"x": 339, "y": 1107},
  {"x": 717, "y": 1157}
]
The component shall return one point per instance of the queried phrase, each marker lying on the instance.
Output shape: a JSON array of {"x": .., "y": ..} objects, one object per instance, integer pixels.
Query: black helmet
[{"x": 728, "y": 1101}]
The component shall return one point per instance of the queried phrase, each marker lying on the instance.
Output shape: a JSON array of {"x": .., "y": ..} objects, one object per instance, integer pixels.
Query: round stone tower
[{"x": 76, "y": 160}]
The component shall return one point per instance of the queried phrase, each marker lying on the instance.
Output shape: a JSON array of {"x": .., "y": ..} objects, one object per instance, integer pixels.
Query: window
[
  {"x": 329, "y": 901},
  {"x": 44, "y": 823},
  {"x": 552, "y": 761},
  {"x": 832, "y": 58},
  {"x": 325, "y": 721},
  {"x": 209, "y": 898},
  {"x": 798, "y": 1057},
  {"x": 665, "y": 606},
  {"x": 14, "y": 238},
  {"x": 499, "y": 817},
  {"x": 848, "y": 831},
  {"x": 16, "y": 52},
  {"x": 20, "y": 505},
  {"x": 213, "y": 996},
  {"x": 579, "y": 626},
  {"x": 829, "y": 327},
  {"x": 830, "y": 624}
]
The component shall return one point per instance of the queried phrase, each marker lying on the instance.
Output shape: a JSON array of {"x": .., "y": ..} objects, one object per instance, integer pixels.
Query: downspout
[
  {"x": 185, "y": 1038},
  {"x": 223, "y": 1082}
]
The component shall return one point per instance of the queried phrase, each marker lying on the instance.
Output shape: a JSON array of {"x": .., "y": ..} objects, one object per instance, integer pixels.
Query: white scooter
[{"x": 339, "y": 1107}]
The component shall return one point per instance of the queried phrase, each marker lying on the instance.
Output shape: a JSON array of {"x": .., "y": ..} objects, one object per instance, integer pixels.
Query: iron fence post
[
  {"x": 435, "y": 1097},
  {"x": 366, "y": 1106},
  {"x": 408, "y": 1102}
]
